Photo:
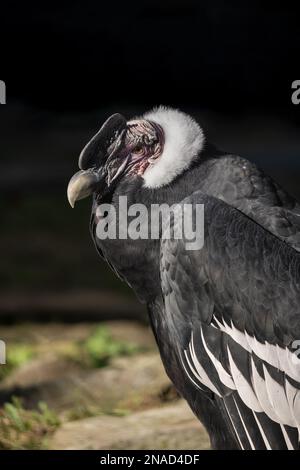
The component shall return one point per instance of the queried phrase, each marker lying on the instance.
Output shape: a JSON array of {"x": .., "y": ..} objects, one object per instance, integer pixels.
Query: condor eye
[{"x": 138, "y": 149}]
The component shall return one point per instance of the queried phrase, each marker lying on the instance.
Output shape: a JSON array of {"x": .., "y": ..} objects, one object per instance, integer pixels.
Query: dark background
[
  {"x": 216, "y": 55},
  {"x": 68, "y": 65}
]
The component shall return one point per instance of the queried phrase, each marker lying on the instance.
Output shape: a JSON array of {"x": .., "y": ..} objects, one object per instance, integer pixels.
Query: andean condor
[{"x": 226, "y": 317}]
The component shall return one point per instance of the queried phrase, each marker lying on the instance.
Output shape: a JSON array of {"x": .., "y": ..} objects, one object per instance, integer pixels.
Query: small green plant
[
  {"x": 101, "y": 347},
  {"x": 25, "y": 429}
]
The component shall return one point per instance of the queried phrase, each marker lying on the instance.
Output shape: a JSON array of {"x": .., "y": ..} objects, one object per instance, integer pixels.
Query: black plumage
[{"x": 225, "y": 317}]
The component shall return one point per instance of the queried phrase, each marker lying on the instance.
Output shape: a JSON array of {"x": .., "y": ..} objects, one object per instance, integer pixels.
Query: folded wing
[{"x": 234, "y": 307}]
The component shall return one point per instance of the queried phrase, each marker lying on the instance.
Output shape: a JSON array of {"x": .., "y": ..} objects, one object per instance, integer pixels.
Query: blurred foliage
[
  {"x": 27, "y": 423},
  {"x": 95, "y": 351},
  {"x": 24, "y": 429},
  {"x": 17, "y": 354},
  {"x": 82, "y": 411},
  {"x": 100, "y": 347}
]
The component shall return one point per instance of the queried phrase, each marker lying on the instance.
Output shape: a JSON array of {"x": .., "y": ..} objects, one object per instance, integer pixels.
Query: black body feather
[{"x": 246, "y": 279}]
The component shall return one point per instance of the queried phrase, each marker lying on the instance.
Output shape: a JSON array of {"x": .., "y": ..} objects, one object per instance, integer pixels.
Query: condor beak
[
  {"x": 81, "y": 185},
  {"x": 94, "y": 158}
]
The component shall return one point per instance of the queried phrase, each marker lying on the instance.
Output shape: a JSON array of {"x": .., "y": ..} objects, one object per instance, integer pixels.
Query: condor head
[
  {"x": 158, "y": 147},
  {"x": 120, "y": 148}
]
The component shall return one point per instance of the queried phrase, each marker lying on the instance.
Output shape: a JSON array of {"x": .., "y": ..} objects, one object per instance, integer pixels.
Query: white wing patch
[
  {"x": 244, "y": 426},
  {"x": 198, "y": 370},
  {"x": 278, "y": 399},
  {"x": 280, "y": 358},
  {"x": 259, "y": 386},
  {"x": 286, "y": 438},
  {"x": 243, "y": 387},
  {"x": 262, "y": 432},
  {"x": 225, "y": 378},
  {"x": 263, "y": 394}
]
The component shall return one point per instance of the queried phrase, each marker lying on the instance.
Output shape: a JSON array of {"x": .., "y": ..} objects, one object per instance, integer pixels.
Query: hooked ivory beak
[{"x": 81, "y": 185}]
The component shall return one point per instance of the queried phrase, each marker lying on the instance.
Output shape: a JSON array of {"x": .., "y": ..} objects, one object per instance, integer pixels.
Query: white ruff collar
[{"x": 184, "y": 140}]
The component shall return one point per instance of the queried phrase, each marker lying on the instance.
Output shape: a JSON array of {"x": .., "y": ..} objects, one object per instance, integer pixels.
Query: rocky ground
[{"x": 90, "y": 386}]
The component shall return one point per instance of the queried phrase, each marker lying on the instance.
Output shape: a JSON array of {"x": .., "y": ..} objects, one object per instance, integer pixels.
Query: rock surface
[
  {"x": 128, "y": 383},
  {"x": 167, "y": 427}
]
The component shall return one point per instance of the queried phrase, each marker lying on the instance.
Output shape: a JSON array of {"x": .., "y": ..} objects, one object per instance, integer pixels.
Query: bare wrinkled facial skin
[{"x": 144, "y": 141}]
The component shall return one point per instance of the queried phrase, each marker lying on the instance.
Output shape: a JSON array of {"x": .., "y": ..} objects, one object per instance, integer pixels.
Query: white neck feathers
[{"x": 184, "y": 140}]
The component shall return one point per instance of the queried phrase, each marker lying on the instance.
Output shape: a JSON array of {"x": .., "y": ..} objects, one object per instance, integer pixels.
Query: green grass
[
  {"x": 24, "y": 429},
  {"x": 100, "y": 348}
]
